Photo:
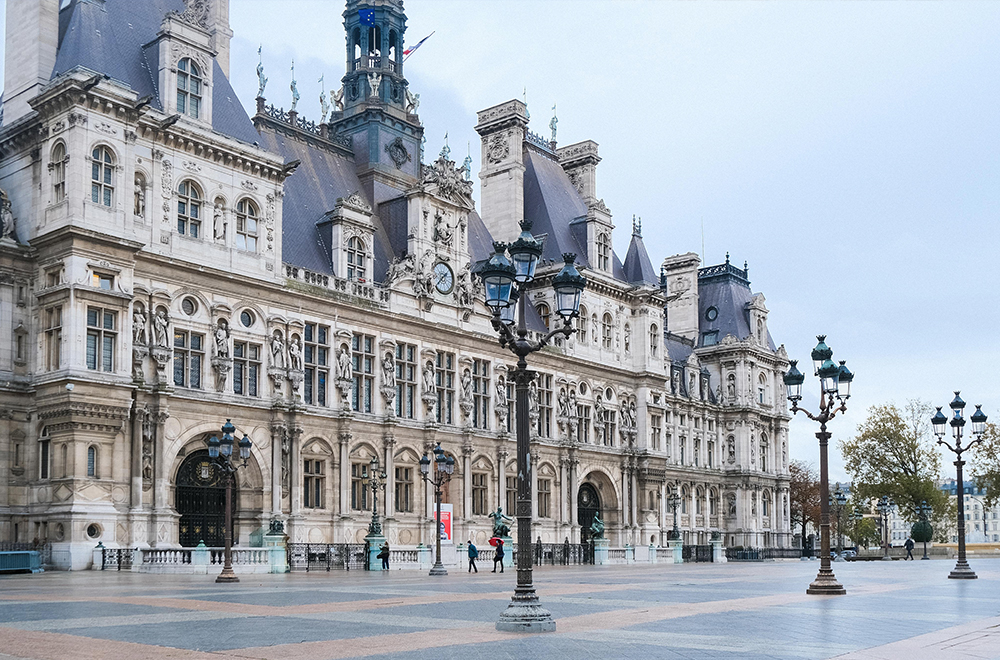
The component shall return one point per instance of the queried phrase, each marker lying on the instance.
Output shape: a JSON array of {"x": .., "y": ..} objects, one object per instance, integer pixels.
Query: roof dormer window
[{"x": 189, "y": 88}]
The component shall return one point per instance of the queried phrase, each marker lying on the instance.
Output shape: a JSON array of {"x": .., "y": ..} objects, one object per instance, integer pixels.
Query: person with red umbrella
[{"x": 498, "y": 555}]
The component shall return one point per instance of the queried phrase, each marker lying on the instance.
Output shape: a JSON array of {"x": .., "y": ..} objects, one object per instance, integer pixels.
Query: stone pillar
[
  {"x": 664, "y": 523},
  {"x": 467, "y": 450},
  {"x": 563, "y": 491},
  {"x": 634, "y": 488},
  {"x": 574, "y": 491},
  {"x": 389, "y": 444},
  {"x": 344, "y": 439},
  {"x": 164, "y": 532},
  {"x": 295, "y": 471},
  {"x": 278, "y": 443},
  {"x": 623, "y": 508},
  {"x": 502, "y": 456}
]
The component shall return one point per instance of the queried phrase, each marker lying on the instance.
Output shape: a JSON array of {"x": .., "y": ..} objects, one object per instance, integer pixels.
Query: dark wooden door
[
  {"x": 201, "y": 501},
  {"x": 588, "y": 503}
]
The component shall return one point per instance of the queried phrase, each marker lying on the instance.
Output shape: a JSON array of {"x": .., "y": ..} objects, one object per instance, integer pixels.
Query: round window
[
  {"x": 189, "y": 306},
  {"x": 246, "y": 318},
  {"x": 583, "y": 388},
  {"x": 93, "y": 530},
  {"x": 711, "y": 313}
]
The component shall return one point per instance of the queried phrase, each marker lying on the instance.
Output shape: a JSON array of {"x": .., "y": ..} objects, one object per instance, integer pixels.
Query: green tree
[
  {"x": 803, "y": 495},
  {"x": 894, "y": 454},
  {"x": 985, "y": 464},
  {"x": 863, "y": 533}
]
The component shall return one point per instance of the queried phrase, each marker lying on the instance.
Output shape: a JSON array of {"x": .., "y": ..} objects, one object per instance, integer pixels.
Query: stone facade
[{"x": 154, "y": 286}]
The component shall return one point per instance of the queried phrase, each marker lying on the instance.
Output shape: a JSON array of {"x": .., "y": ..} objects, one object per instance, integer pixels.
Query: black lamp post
[
  {"x": 376, "y": 478},
  {"x": 856, "y": 515},
  {"x": 444, "y": 467},
  {"x": 924, "y": 511},
  {"x": 221, "y": 453},
  {"x": 838, "y": 500},
  {"x": 504, "y": 279},
  {"x": 674, "y": 501},
  {"x": 835, "y": 382},
  {"x": 961, "y": 570},
  {"x": 885, "y": 506}
]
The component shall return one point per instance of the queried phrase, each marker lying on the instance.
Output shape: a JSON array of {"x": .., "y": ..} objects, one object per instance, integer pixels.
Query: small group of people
[{"x": 497, "y": 556}]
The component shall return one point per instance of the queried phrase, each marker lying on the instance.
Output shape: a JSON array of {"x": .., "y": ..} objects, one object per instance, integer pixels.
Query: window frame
[
  {"x": 247, "y": 214},
  {"x": 185, "y": 77},
  {"x": 189, "y": 222},
  {"x": 246, "y": 368},
  {"x": 102, "y": 339},
  {"x": 103, "y": 162},
  {"x": 191, "y": 360}
]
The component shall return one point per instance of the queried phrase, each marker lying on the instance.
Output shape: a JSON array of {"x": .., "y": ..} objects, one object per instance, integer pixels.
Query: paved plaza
[{"x": 892, "y": 610}]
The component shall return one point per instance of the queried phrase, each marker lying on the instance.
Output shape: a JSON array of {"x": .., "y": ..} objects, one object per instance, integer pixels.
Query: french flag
[{"x": 410, "y": 51}]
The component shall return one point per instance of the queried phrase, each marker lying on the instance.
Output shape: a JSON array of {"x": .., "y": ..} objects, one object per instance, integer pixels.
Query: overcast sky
[{"x": 850, "y": 152}]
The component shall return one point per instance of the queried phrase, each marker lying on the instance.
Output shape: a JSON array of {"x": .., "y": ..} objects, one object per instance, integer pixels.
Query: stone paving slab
[{"x": 893, "y": 610}]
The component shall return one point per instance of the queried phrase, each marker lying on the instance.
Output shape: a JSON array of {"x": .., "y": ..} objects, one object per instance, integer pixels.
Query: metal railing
[
  {"x": 762, "y": 554},
  {"x": 328, "y": 556},
  {"x": 563, "y": 554},
  {"x": 116, "y": 559},
  {"x": 696, "y": 553}
]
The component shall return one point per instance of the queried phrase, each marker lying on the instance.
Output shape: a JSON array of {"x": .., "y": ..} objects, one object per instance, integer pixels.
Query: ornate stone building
[{"x": 169, "y": 262}]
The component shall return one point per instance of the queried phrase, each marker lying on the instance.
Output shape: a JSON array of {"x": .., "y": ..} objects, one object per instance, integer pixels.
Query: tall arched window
[
  {"x": 603, "y": 252},
  {"x": 654, "y": 340},
  {"x": 189, "y": 209},
  {"x": 92, "y": 461},
  {"x": 699, "y": 501},
  {"x": 58, "y": 168},
  {"x": 581, "y": 325},
  {"x": 762, "y": 388},
  {"x": 606, "y": 330},
  {"x": 760, "y": 331},
  {"x": 246, "y": 225},
  {"x": 713, "y": 502},
  {"x": 189, "y": 88},
  {"x": 685, "y": 494},
  {"x": 543, "y": 311},
  {"x": 765, "y": 503},
  {"x": 357, "y": 259},
  {"x": 102, "y": 172},
  {"x": 763, "y": 453}
]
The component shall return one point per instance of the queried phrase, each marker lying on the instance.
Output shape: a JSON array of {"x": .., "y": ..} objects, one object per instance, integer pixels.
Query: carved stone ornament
[
  {"x": 356, "y": 202},
  {"x": 398, "y": 153},
  {"x": 451, "y": 183},
  {"x": 195, "y": 12},
  {"x": 497, "y": 149}
]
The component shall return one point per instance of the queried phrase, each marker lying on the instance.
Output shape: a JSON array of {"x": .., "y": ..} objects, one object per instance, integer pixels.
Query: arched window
[
  {"x": 699, "y": 501},
  {"x": 102, "y": 172},
  {"x": 92, "y": 461},
  {"x": 603, "y": 252},
  {"x": 357, "y": 259},
  {"x": 189, "y": 88},
  {"x": 581, "y": 325},
  {"x": 356, "y": 40},
  {"x": 713, "y": 502},
  {"x": 606, "y": 330},
  {"x": 654, "y": 339},
  {"x": 543, "y": 312},
  {"x": 765, "y": 504},
  {"x": 684, "y": 499},
  {"x": 711, "y": 454},
  {"x": 246, "y": 225},
  {"x": 58, "y": 167},
  {"x": 760, "y": 331},
  {"x": 189, "y": 209},
  {"x": 762, "y": 388},
  {"x": 763, "y": 453}
]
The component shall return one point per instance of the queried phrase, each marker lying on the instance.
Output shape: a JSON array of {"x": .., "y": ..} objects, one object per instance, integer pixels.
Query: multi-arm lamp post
[
  {"x": 885, "y": 506},
  {"x": 856, "y": 515},
  {"x": 504, "y": 278},
  {"x": 674, "y": 501},
  {"x": 835, "y": 382},
  {"x": 376, "y": 478},
  {"x": 445, "y": 467},
  {"x": 924, "y": 511},
  {"x": 221, "y": 453},
  {"x": 838, "y": 500},
  {"x": 940, "y": 421}
]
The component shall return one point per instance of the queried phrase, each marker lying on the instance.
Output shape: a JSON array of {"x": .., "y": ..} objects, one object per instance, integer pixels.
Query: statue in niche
[
  {"x": 430, "y": 387},
  {"x": 466, "y": 385},
  {"x": 277, "y": 351},
  {"x": 140, "y": 197},
  {"x": 692, "y": 386},
  {"x": 221, "y": 339},
  {"x": 533, "y": 399},
  {"x": 389, "y": 370},
  {"x": 731, "y": 449},
  {"x": 718, "y": 394},
  {"x": 599, "y": 419},
  {"x": 675, "y": 382},
  {"x": 295, "y": 354},
  {"x": 563, "y": 401},
  {"x": 139, "y": 326},
  {"x": 345, "y": 368},
  {"x": 161, "y": 323},
  {"x": 731, "y": 503},
  {"x": 626, "y": 416},
  {"x": 628, "y": 338},
  {"x": 219, "y": 220},
  {"x": 8, "y": 225},
  {"x": 463, "y": 286},
  {"x": 442, "y": 231},
  {"x": 731, "y": 388},
  {"x": 374, "y": 82}
]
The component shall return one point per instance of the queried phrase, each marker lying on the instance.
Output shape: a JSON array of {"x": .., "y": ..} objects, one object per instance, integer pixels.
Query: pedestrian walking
[
  {"x": 909, "y": 549},
  {"x": 498, "y": 556},
  {"x": 384, "y": 556},
  {"x": 473, "y": 555}
]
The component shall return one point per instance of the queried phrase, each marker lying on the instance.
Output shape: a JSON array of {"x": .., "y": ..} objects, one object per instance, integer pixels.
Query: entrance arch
[
  {"x": 588, "y": 505},
  {"x": 200, "y": 500}
]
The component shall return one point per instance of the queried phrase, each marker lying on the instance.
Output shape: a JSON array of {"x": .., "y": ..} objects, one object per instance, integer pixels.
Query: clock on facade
[{"x": 444, "y": 280}]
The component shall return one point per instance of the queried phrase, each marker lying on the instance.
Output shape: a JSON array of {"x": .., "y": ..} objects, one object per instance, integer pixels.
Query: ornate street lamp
[
  {"x": 674, "y": 501},
  {"x": 221, "y": 453},
  {"x": 940, "y": 422},
  {"x": 885, "y": 506},
  {"x": 838, "y": 500},
  {"x": 444, "y": 467},
  {"x": 923, "y": 527},
  {"x": 835, "y": 382},
  {"x": 376, "y": 478},
  {"x": 504, "y": 279}
]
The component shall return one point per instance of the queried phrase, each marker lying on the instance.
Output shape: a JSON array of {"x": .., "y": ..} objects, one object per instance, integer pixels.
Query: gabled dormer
[
  {"x": 348, "y": 232},
  {"x": 181, "y": 57},
  {"x": 579, "y": 161},
  {"x": 757, "y": 313}
]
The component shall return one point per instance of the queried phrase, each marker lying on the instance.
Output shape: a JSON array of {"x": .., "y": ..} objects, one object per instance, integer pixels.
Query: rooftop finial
[
  {"x": 526, "y": 113},
  {"x": 445, "y": 150},
  {"x": 467, "y": 164},
  {"x": 323, "y": 105},
  {"x": 727, "y": 256},
  {"x": 295, "y": 90},
  {"x": 636, "y": 226},
  {"x": 554, "y": 122},
  {"x": 261, "y": 78}
]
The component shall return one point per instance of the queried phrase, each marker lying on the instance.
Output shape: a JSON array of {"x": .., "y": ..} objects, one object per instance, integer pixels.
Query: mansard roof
[
  {"x": 638, "y": 268},
  {"x": 726, "y": 288},
  {"x": 109, "y": 37}
]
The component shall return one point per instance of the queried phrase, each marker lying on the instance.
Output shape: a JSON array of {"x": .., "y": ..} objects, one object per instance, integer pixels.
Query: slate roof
[
  {"x": 108, "y": 37},
  {"x": 729, "y": 292},
  {"x": 638, "y": 268}
]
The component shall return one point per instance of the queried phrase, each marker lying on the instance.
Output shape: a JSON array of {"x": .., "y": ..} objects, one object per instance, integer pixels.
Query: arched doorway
[
  {"x": 201, "y": 501},
  {"x": 588, "y": 505}
]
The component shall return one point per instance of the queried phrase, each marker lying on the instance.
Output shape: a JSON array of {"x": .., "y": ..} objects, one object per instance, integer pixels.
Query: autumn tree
[
  {"x": 985, "y": 464},
  {"x": 803, "y": 495},
  {"x": 894, "y": 454}
]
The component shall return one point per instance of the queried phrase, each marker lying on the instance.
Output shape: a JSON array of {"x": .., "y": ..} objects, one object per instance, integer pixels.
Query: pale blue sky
[{"x": 850, "y": 151}]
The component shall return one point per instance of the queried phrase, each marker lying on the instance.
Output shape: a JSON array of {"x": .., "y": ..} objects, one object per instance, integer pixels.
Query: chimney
[
  {"x": 32, "y": 39},
  {"x": 503, "y": 128},
  {"x": 218, "y": 27}
]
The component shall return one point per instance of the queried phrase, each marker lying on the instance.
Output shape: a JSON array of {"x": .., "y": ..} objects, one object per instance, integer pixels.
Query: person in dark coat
[
  {"x": 473, "y": 555},
  {"x": 909, "y": 549},
  {"x": 384, "y": 556},
  {"x": 498, "y": 557}
]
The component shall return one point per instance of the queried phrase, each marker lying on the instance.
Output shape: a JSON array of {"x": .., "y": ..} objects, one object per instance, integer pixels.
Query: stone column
[
  {"x": 344, "y": 440},
  {"x": 623, "y": 507},
  {"x": 278, "y": 442},
  {"x": 389, "y": 444},
  {"x": 634, "y": 487},
  {"x": 664, "y": 524},
  {"x": 467, "y": 450},
  {"x": 563, "y": 491},
  {"x": 574, "y": 491},
  {"x": 502, "y": 456}
]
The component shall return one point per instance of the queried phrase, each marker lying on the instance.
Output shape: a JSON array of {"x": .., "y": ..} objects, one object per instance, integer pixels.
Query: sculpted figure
[
  {"x": 501, "y": 392},
  {"x": 597, "y": 528},
  {"x": 466, "y": 385},
  {"x": 277, "y": 351},
  {"x": 295, "y": 354},
  {"x": 429, "y": 385},
  {"x": 139, "y": 326},
  {"x": 161, "y": 322},
  {"x": 501, "y": 523},
  {"x": 221, "y": 338},
  {"x": 389, "y": 370},
  {"x": 345, "y": 370}
]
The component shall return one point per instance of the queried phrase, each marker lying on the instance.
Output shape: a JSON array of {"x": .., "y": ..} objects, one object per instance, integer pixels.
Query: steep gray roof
[
  {"x": 480, "y": 239},
  {"x": 108, "y": 37},
  {"x": 638, "y": 268},
  {"x": 727, "y": 289}
]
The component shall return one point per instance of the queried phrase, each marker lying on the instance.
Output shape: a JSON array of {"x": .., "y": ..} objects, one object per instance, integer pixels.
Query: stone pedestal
[
  {"x": 508, "y": 552},
  {"x": 718, "y": 553},
  {"x": 425, "y": 557},
  {"x": 677, "y": 546},
  {"x": 200, "y": 559},
  {"x": 601, "y": 552},
  {"x": 374, "y": 542},
  {"x": 98, "y": 560},
  {"x": 652, "y": 554},
  {"x": 275, "y": 544}
]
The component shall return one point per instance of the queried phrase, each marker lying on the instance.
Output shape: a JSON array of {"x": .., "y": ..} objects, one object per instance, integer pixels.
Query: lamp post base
[
  {"x": 438, "y": 569},
  {"x": 227, "y": 576},
  {"x": 526, "y": 617},
  {"x": 826, "y": 584},
  {"x": 962, "y": 571}
]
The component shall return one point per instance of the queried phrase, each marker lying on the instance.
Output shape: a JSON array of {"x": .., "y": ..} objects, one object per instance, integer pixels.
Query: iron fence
[
  {"x": 762, "y": 554},
  {"x": 563, "y": 554},
  {"x": 697, "y": 553},
  {"x": 328, "y": 556},
  {"x": 116, "y": 559}
]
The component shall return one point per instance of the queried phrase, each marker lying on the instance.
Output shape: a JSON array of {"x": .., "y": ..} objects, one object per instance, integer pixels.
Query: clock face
[{"x": 444, "y": 280}]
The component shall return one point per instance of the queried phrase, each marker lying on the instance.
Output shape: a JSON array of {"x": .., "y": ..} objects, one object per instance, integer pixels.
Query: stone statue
[
  {"x": 389, "y": 370},
  {"x": 161, "y": 323},
  {"x": 675, "y": 382},
  {"x": 442, "y": 230},
  {"x": 338, "y": 99},
  {"x": 731, "y": 388},
  {"x": 138, "y": 326},
  {"x": 467, "y": 168},
  {"x": 466, "y": 385},
  {"x": 219, "y": 220},
  {"x": 692, "y": 386},
  {"x": 463, "y": 287},
  {"x": 8, "y": 225},
  {"x": 553, "y": 123},
  {"x": 374, "y": 82},
  {"x": 345, "y": 368},
  {"x": 563, "y": 401},
  {"x": 533, "y": 398},
  {"x": 623, "y": 412},
  {"x": 277, "y": 351},
  {"x": 221, "y": 339},
  {"x": 295, "y": 89},
  {"x": 501, "y": 523},
  {"x": 412, "y": 102},
  {"x": 599, "y": 418},
  {"x": 731, "y": 500},
  {"x": 718, "y": 394},
  {"x": 597, "y": 528},
  {"x": 295, "y": 354},
  {"x": 429, "y": 385},
  {"x": 261, "y": 78},
  {"x": 139, "y": 209},
  {"x": 628, "y": 338},
  {"x": 398, "y": 269},
  {"x": 731, "y": 449},
  {"x": 324, "y": 107}
]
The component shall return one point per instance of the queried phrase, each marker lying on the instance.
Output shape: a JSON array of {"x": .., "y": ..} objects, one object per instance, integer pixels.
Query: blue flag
[{"x": 367, "y": 16}]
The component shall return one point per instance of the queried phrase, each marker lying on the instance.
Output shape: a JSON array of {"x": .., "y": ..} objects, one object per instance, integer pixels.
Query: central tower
[{"x": 379, "y": 112}]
